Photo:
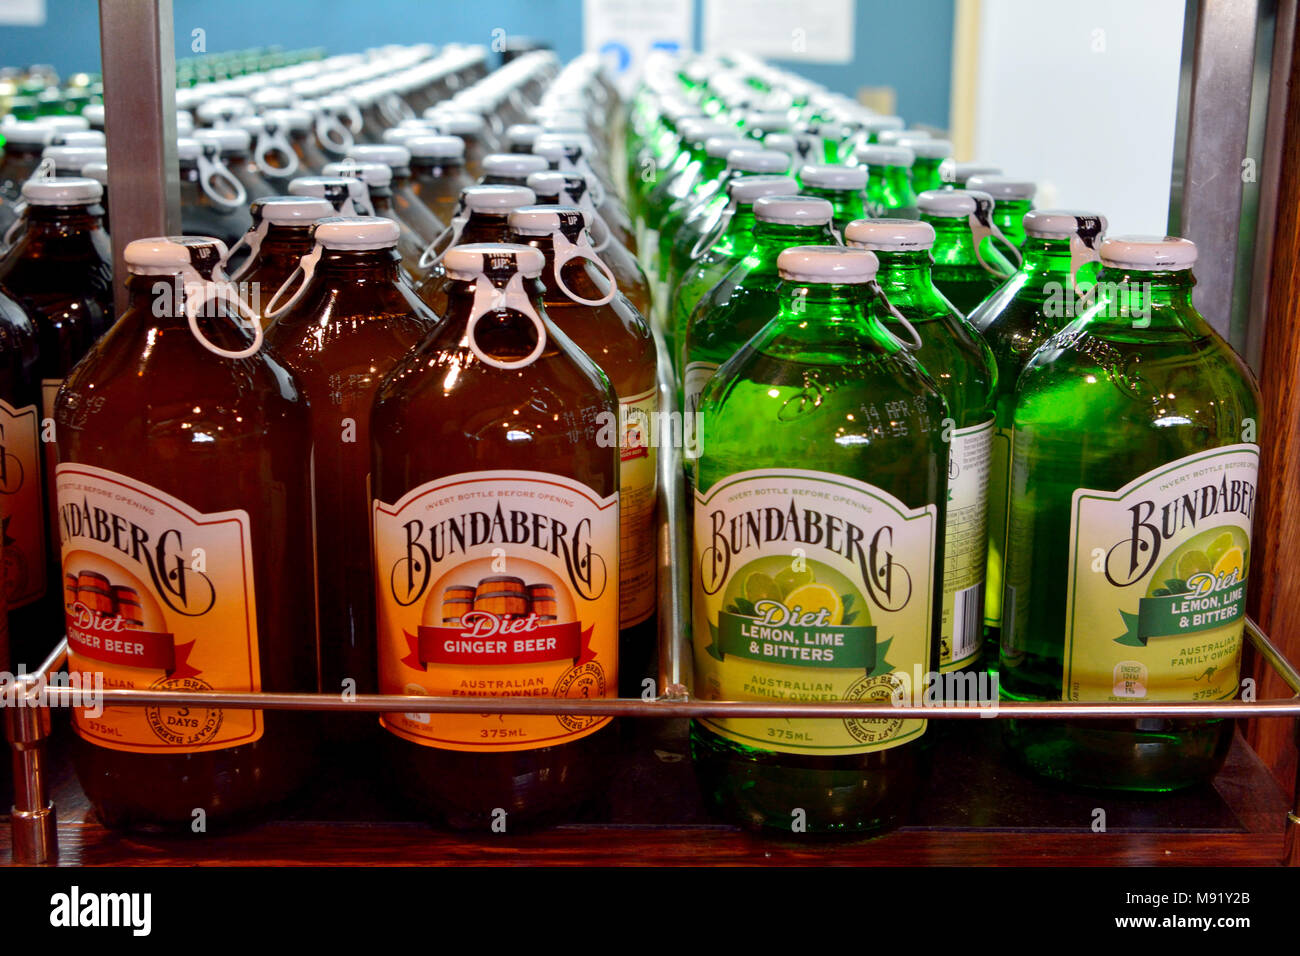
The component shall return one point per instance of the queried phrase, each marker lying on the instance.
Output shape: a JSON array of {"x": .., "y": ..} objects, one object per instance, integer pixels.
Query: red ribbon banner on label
[
  {"x": 463, "y": 646},
  {"x": 105, "y": 639}
]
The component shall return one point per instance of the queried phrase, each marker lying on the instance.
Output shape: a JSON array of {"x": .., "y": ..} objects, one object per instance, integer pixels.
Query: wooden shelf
[{"x": 978, "y": 810}]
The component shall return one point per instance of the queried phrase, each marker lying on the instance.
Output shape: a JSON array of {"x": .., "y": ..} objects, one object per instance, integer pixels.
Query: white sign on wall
[
  {"x": 624, "y": 32},
  {"x": 22, "y": 13},
  {"x": 814, "y": 31}
]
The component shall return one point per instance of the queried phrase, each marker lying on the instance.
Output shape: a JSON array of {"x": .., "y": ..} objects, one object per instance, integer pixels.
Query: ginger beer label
[
  {"x": 965, "y": 546},
  {"x": 693, "y": 381},
  {"x": 1157, "y": 587},
  {"x": 23, "y": 504},
  {"x": 999, "y": 515},
  {"x": 810, "y": 586},
  {"x": 497, "y": 584},
  {"x": 158, "y": 596},
  {"x": 638, "y": 497}
]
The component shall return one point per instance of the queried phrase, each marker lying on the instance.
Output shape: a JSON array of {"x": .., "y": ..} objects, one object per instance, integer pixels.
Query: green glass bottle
[
  {"x": 889, "y": 180},
  {"x": 932, "y": 167},
  {"x": 1059, "y": 257},
  {"x": 694, "y": 164},
  {"x": 1012, "y": 198},
  {"x": 869, "y": 130},
  {"x": 1133, "y": 489},
  {"x": 967, "y": 265},
  {"x": 742, "y": 302},
  {"x": 963, "y": 367},
  {"x": 733, "y": 237},
  {"x": 821, "y": 488},
  {"x": 844, "y": 187}
]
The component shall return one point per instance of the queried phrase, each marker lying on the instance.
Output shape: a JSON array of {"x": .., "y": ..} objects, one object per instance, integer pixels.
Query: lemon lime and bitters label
[
  {"x": 1157, "y": 587},
  {"x": 497, "y": 584},
  {"x": 157, "y": 596},
  {"x": 809, "y": 586}
]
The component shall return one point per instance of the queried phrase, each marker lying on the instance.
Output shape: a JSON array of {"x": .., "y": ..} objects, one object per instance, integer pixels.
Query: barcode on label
[{"x": 967, "y": 621}]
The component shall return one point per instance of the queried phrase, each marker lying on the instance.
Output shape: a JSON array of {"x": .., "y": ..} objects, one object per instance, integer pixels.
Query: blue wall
[{"x": 904, "y": 44}]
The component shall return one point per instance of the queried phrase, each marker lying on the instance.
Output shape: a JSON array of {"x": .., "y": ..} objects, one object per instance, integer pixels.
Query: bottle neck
[
  {"x": 1040, "y": 256},
  {"x": 770, "y": 238},
  {"x": 1139, "y": 303},
  {"x": 438, "y": 169},
  {"x": 817, "y": 314},
  {"x": 284, "y": 242},
  {"x": 739, "y": 233},
  {"x": 485, "y": 227},
  {"x": 953, "y": 242},
  {"x": 358, "y": 265},
  {"x": 62, "y": 222},
  {"x": 849, "y": 204}
]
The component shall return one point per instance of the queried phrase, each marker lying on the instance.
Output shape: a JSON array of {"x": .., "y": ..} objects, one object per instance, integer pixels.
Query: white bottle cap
[
  {"x": 758, "y": 161},
  {"x": 747, "y": 189},
  {"x": 456, "y": 124},
  {"x": 77, "y": 137},
  {"x": 702, "y": 130},
  {"x": 356, "y": 233},
  {"x": 946, "y": 203},
  {"x": 73, "y": 158},
  {"x": 372, "y": 174},
  {"x": 392, "y": 155},
  {"x": 513, "y": 165},
  {"x": 879, "y": 124},
  {"x": 768, "y": 121},
  {"x": 435, "y": 146},
  {"x": 332, "y": 189},
  {"x": 833, "y": 176},
  {"x": 827, "y": 264},
  {"x": 67, "y": 191},
  {"x": 96, "y": 171},
  {"x": 522, "y": 134},
  {"x": 227, "y": 139},
  {"x": 168, "y": 255},
  {"x": 549, "y": 182},
  {"x": 718, "y": 147},
  {"x": 223, "y": 109},
  {"x": 94, "y": 114},
  {"x": 497, "y": 200},
  {"x": 540, "y": 220},
  {"x": 1002, "y": 187},
  {"x": 296, "y": 119},
  {"x": 889, "y": 235},
  {"x": 291, "y": 210},
  {"x": 467, "y": 262},
  {"x": 875, "y": 154},
  {"x": 64, "y": 123},
  {"x": 188, "y": 149},
  {"x": 1148, "y": 253},
  {"x": 793, "y": 210},
  {"x": 1058, "y": 223},
  {"x": 962, "y": 172},
  {"x": 184, "y": 123},
  {"x": 924, "y": 147},
  {"x": 27, "y": 133}
]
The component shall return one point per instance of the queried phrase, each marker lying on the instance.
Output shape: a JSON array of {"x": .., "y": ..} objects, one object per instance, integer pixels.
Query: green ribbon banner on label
[
  {"x": 844, "y": 646},
  {"x": 1176, "y": 614}
]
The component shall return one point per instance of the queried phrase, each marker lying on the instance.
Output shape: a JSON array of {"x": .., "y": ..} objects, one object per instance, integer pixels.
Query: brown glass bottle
[
  {"x": 482, "y": 218},
  {"x": 298, "y": 122},
  {"x": 588, "y": 308},
  {"x": 438, "y": 174},
  {"x": 470, "y": 128},
  {"x": 280, "y": 237},
  {"x": 235, "y": 149},
  {"x": 60, "y": 272},
  {"x": 570, "y": 189},
  {"x": 378, "y": 178},
  {"x": 23, "y": 142},
  {"x": 213, "y": 202},
  {"x": 349, "y": 323},
  {"x": 489, "y": 407},
  {"x": 407, "y": 206},
  {"x": 184, "y": 504}
]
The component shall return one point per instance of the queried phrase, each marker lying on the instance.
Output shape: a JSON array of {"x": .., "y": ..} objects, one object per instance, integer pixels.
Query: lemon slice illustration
[
  {"x": 1192, "y": 562},
  {"x": 789, "y": 579},
  {"x": 1234, "y": 559},
  {"x": 760, "y": 587},
  {"x": 1219, "y": 546},
  {"x": 816, "y": 597}
]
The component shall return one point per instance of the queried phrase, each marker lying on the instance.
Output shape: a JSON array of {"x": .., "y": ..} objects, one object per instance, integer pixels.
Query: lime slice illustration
[
  {"x": 760, "y": 587},
  {"x": 1192, "y": 562},
  {"x": 1219, "y": 546},
  {"x": 812, "y": 598},
  {"x": 789, "y": 579}
]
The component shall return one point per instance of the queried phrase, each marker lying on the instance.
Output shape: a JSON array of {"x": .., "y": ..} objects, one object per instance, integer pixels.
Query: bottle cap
[
  {"x": 456, "y": 124},
  {"x": 879, "y": 124},
  {"x": 496, "y": 200},
  {"x": 782, "y": 143},
  {"x": 356, "y": 233},
  {"x": 747, "y": 189},
  {"x": 548, "y": 182},
  {"x": 290, "y": 210},
  {"x": 345, "y": 194},
  {"x": 833, "y": 176},
  {"x": 188, "y": 149},
  {"x": 392, "y": 155},
  {"x": 768, "y": 121},
  {"x": 924, "y": 147},
  {"x": 227, "y": 139},
  {"x": 891, "y": 137},
  {"x": 946, "y": 203},
  {"x": 27, "y": 133},
  {"x": 793, "y": 210},
  {"x": 1060, "y": 223},
  {"x": 889, "y": 235},
  {"x": 296, "y": 119},
  {"x": 77, "y": 137},
  {"x": 962, "y": 172},
  {"x": 1149, "y": 253},
  {"x": 758, "y": 161},
  {"x": 67, "y": 191},
  {"x": 96, "y": 171},
  {"x": 426, "y": 145},
  {"x": 223, "y": 109},
  {"x": 702, "y": 130},
  {"x": 1002, "y": 187},
  {"x": 167, "y": 255},
  {"x": 875, "y": 154},
  {"x": 828, "y": 264},
  {"x": 717, "y": 147},
  {"x": 63, "y": 123},
  {"x": 540, "y": 220},
  {"x": 184, "y": 123},
  {"x": 513, "y": 165},
  {"x": 469, "y": 261},
  {"x": 522, "y": 135},
  {"x": 377, "y": 175},
  {"x": 73, "y": 158},
  {"x": 94, "y": 114}
]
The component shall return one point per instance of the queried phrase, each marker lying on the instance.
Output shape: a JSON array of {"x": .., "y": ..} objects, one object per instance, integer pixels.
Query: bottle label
[
  {"x": 497, "y": 584},
  {"x": 810, "y": 586},
  {"x": 158, "y": 596},
  {"x": 999, "y": 489},
  {"x": 1157, "y": 587},
  {"x": 23, "y": 504},
  {"x": 965, "y": 546},
  {"x": 638, "y": 484},
  {"x": 693, "y": 381}
]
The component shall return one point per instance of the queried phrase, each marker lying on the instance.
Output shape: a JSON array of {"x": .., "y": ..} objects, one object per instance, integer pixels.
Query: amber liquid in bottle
[
  {"x": 479, "y": 227},
  {"x": 282, "y": 249},
  {"x": 443, "y": 414},
  {"x": 203, "y": 216},
  {"x": 153, "y": 405},
  {"x": 438, "y": 185},
  {"x": 353, "y": 323}
]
